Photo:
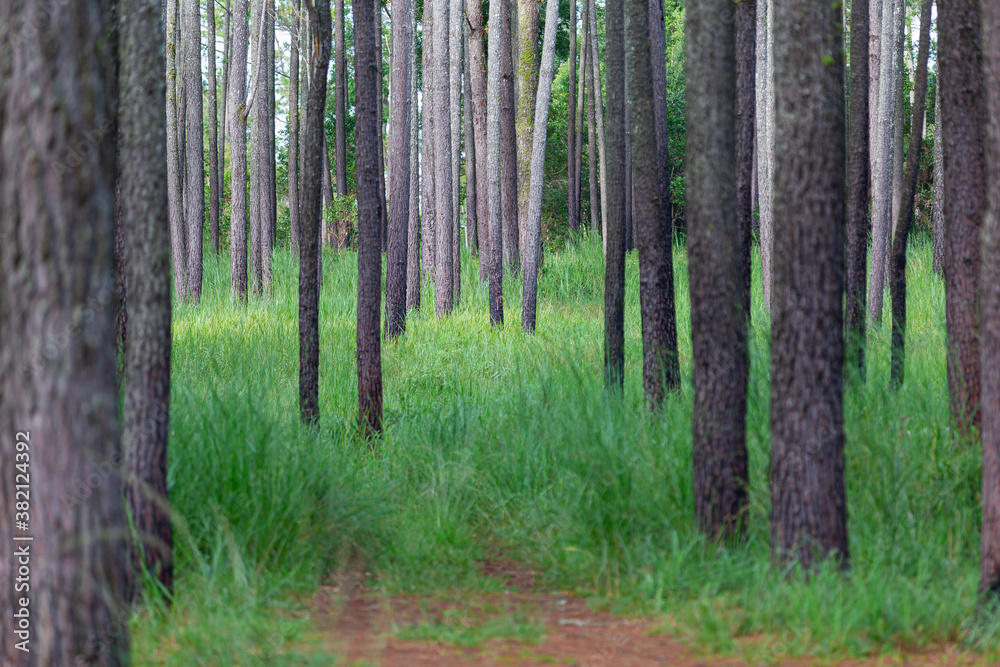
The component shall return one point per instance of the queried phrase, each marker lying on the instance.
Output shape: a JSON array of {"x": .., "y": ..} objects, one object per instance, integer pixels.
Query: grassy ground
[{"x": 497, "y": 441}]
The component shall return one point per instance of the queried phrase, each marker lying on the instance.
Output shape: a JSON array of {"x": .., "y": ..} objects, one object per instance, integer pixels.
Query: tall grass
[{"x": 497, "y": 441}]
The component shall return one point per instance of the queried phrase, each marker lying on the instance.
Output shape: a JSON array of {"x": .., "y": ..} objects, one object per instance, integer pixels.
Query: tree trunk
[
  {"x": 312, "y": 212},
  {"x": 368, "y": 136},
  {"x": 595, "y": 64},
  {"x": 328, "y": 198},
  {"x": 534, "y": 222},
  {"x": 477, "y": 72},
  {"x": 614, "y": 221},
  {"x": 223, "y": 110},
  {"x": 272, "y": 145},
  {"x": 293, "y": 131},
  {"x": 857, "y": 190},
  {"x": 143, "y": 201},
  {"x": 718, "y": 322},
  {"x": 59, "y": 412},
  {"x": 456, "y": 19},
  {"x": 340, "y": 99},
  {"x": 579, "y": 122},
  {"x": 428, "y": 215},
  {"x": 237, "y": 150},
  {"x": 629, "y": 223},
  {"x": 765, "y": 143},
  {"x": 808, "y": 497},
  {"x": 963, "y": 114},
  {"x": 260, "y": 202},
  {"x": 492, "y": 174},
  {"x": 382, "y": 210},
  {"x": 905, "y": 221},
  {"x": 213, "y": 139},
  {"x": 898, "y": 77},
  {"x": 444, "y": 232},
  {"x": 413, "y": 225},
  {"x": 399, "y": 170},
  {"x": 572, "y": 194},
  {"x": 525, "y": 88},
  {"x": 175, "y": 204},
  {"x": 937, "y": 207},
  {"x": 471, "y": 155},
  {"x": 989, "y": 281},
  {"x": 592, "y": 169},
  {"x": 874, "y": 86},
  {"x": 508, "y": 146},
  {"x": 194, "y": 171},
  {"x": 746, "y": 113}
]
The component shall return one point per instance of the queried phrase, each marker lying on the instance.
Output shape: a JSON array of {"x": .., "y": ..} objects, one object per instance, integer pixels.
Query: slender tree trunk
[
  {"x": 194, "y": 172},
  {"x": 328, "y": 198},
  {"x": 312, "y": 212},
  {"x": 143, "y": 200},
  {"x": 525, "y": 88},
  {"x": 223, "y": 115},
  {"x": 937, "y": 207},
  {"x": 765, "y": 142},
  {"x": 629, "y": 211},
  {"x": 59, "y": 412},
  {"x": 174, "y": 188},
  {"x": 534, "y": 222},
  {"x": 903, "y": 224},
  {"x": 572, "y": 194},
  {"x": 874, "y": 87},
  {"x": 340, "y": 99},
  {"x": 579, "y": 123},
  {"x": 477, "y": 73},
  {"x": 379, "y": 116},
  {"x": 471, "y": 155},
  {"x": 963, "y": 112},
  {"x": 989, "y": 299},
  {"x": 444, "y": 231},
  {"x": 746, "y": 113},
  {"x": 428, "y": 214},
  {"x": 272, "y": 166},
  {"x": 237, "y": 150},
  {"x": 808, "y": 497},
  {"x": 614, "y": 220},
  {"x": 592, "y": 150},
  {"x": 508, "y": 146},
  {"x": 457, "y": 20},
  {"x": 368, "y": 136},
  {"x": 857, "y": 190},
  {"x": 718, "y": 321},
  {"x": 413, "y": 225},
  {"x": 898, "y": 77},
  {"x": 213, "y": 138},
  {"x": 293, "y": 131},
  {"x": 260, "y": 203},
  {"x": 399, "y": 155},
  {"x": 492, "y": 174},
  {"x": 595, "y": 64},
  {"x": 305, "y": 35}
]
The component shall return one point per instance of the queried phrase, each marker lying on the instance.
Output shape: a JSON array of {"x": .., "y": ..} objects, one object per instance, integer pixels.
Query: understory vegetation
[{"x": 499, "y": 443}]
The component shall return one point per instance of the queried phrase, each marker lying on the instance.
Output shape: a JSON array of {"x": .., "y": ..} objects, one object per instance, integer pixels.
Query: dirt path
[{"x": 519, "y": 627}]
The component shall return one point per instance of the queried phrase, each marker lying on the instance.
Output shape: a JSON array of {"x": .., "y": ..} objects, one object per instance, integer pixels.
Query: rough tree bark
[
  {"x": 592, "y": 168},
  {"x": 764, "y": 75},
  {"x": 532, "y": 250},
  {"x": 492, "y": 173},
  {"x": 312, "y": 212},
  {"x": 428, "y": 214},
  {"x": 399, "y": 170},
  {"x": 213, "y": 138},
  {"x": 746, "y": 113},
  {"x": 808, "y": 497},
  {"x": 477, "y": 73},
  {"x": 444, "y": 259},
  {"x": 572, "y": 187},
  {"x": 718, "y": 323},
  {"x": 905, "y": 220},
  {"x": 614, "y": 221},
  {"x": 937, "y": 207},
  {"x": 471, "y": 157},
  {"x": 223, "y": 108},
  {"x": 59, "y": 412},
  {"x": 413, "y": 225},
  {"x": 237, "y": 149},
  {"x": 508, "y": 146},
  {"x": 525, "y": 89},
  {"x": 964, "y": 117},
  {"x": 579, "y": 123},
  {"x": 858, "y": 174},
  {"x": 340, "y": 99},
  {"x": 368, "y": 136},
  {"x": 456, "y": 20},
  {"x": 194, "y": 170},
  {"x": 260, "y": 200},
  {"x": 598, "y": 95},
  {"x": 293, "y": 131},
  {"x": 175, "y": 203}
]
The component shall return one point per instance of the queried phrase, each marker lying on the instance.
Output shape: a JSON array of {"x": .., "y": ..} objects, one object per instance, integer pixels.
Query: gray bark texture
[
  {"x": 595, "y": 64},
  {"x": 444, "y": 295},
  {"x": 477, "y": 73},
  {"x": 614, "y": 238},
  {"x": 175, "y": 188},
  {"x": 764, "y": 94},
  {"x": 937, "y": 208},
  {"x": 471, "y": 157},
  {"x": 340, "y": 99},
  {"x": 592, "y": 162},
  {"x": 526, "y": 66},
  {"x": 237, "y": 150},
  {"x": 413, "y": 231},
  {"x": 456, "y": 20},
  {"x": 746, "y": 110},
  {"x": 213, "y": 137},
  {"x": 572, "y": 178},
  {"x": 428, "y": 216},
  {"x": 508, "y": 146},
  {"x": 194, "y": 170},
  {"x": 260, "y": 200},
  {"x": 492, "y": 173},
  {"x": 293, "y": 131},
  {"x": 399, "y": 156}
]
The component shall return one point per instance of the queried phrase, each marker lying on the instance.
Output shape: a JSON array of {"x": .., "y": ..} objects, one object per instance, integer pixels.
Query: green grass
[{"x": 497, "y": 440}]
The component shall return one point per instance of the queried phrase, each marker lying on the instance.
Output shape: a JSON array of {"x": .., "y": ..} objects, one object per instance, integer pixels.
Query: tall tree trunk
[
  {"x": 456, "y": 19},
  {"x": 765, "y": 142},
  {"x": 718, "y": 321},
  {"x": 293, "y": 131},
  {"x": 857, "y": 190},
  {"x": 592, "y": 162},
  {"x": 541, "y": 116},
  {"x": 428, "y": 214},
  {"x": 194, "y": 172},
  {"x": 989, "y": 297},
  {"x": 905, "y": 221},
  {"x": 629, "y": 211},
  {"x": 272, "y": 152},
  {"x": 368, "y": 136},
  {"x": 237, "y": 149},
  {"x": 312, "y": 211},
  {"x": 213, "y": 138},
  {"x": 399, "y": 170},
  {"x": 260, "y": 202},
  {"x": 808, "y": 497},
  {"x": 477, "y": 73},
  {"x": 305, "y": 35},
  {"x": 874, "y": 87},
  {"x": 508, "y": 146},
  {"x": 579, "y": 122},
  {"x": 328, "y": 199},
  {"x": 379, "y": 116},
  {"x": 898, "y": 77},
  {"x": 175, "y": 204},
  {"x": 963, "y": 112},
  {"x": 143, "y": 201},
  {"x": 413, "y": 226},
  {"x": 471, "y": 155},
  {"x": 937, "y": 207},
  {"x": 572, "y": 194},
  {"x": 59, "y": 413},
  {"x": 493, "y": 171},
  {"x": 340, "y": 99},
  {"x": 595, "y": 64},
  {"x": 746, "y": 113},
  {"x": 614, "y": 221},
  {"x": 444, "y": 232},
  {"x": 651, "y": 183},
  {"x": 223, "y": 110},
  {"x": 525, "y": 88}
]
